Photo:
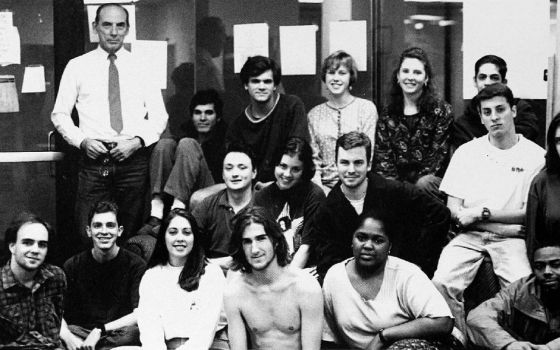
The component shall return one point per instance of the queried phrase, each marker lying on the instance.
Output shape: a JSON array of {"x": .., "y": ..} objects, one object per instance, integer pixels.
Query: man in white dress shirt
[{"x": 120, "y": 116}]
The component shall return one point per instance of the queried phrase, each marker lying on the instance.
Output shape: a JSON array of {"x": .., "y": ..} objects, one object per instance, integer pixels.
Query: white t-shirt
[
  {"x": 406, "y": 294},
  {"x": 167, "y": 311},
  {"x": 484, "y": 175}
]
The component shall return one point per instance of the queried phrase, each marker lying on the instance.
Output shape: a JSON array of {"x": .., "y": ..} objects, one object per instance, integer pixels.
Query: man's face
[
  {"x": 111, "y": 28},
  {"x": 238, "y": 172},
  {"x": 497, "y": 116},
  {"x": 31, "y": 245},
  {"x": 546, "y": 266},
  {"x": 104, "y": 230},
  {"x": 204, "y": 118},
  {"x": 352, "y": 166},
  {"x": 288, "y": 172},
  {"x": 370, "y": 245},
  {"x": 488, "y": 74},
  {"x": 261, "y": 88},
  {"x": 257, "y": 246}
]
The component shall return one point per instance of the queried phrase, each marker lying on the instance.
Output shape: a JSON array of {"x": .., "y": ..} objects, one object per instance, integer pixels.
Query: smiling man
[
  {"x": 526, "y": 314},
  {"x": 487, "y": 183},
  {"x": 31, "y": 291},
  {"x": 279, "y": 306},
  {"x": 421, "y": 232},
  {"x": 121, "y": 114},
  {"x": 270, "y": 119},
  {"x": 102, "y": 287}
]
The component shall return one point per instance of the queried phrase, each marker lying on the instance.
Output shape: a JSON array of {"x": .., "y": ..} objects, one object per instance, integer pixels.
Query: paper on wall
[
  {"x": 152, "y": 56},
  {"x": 350, "y": 36},
  {"x": 249, "y": 40},
  {"x": 10, "y": 49},
  {"x": 298, "y": 50},
  {"x": 33, "y": 79}
]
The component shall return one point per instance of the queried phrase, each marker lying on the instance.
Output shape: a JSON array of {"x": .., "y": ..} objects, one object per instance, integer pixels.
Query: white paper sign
[
  {"x": 152, "y": 56},
  {"x": 91, "y": 9},
  {"x": 249, "y": 40},
  {"x": 298, "y": 49},
  {"x": 33, "y": 79},
  {"x": 516, "y": 30},
  {"x": 10, "y": 50},
  {"x": 6, "y": 19},
  {"x": 350, "y": 36}
]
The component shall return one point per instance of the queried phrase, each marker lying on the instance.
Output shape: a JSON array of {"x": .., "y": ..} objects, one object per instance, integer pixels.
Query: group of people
[{"x": 287, "y": 230}]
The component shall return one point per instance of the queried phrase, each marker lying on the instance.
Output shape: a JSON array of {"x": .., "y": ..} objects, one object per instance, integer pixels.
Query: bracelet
[{"x": 381, "y": 337}]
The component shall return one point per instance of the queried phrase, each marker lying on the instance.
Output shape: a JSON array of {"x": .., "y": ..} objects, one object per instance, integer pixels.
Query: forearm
[
  {"x": 127, "y": 320},
  {"x": 419, "y": 328},
  {"x": 301, "y": 256},
  {"x": 554, "y": 344}
]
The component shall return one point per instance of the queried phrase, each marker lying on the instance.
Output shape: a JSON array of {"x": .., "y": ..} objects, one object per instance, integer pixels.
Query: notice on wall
[
  {"x": 519, "y": 35},
  {"x": 249, "y": 40},
  {"x": 10, "y": 49},
  {"x": 6, "y": 18},
  {"x": 152, "y": 56},
  {"x": 298, "y": 50},
  {"x": 8, "y": 94},
  {"x": 91, "y": 9},
  {"x": 33, "y": 79},
  {"x": 350, "y": 36}
]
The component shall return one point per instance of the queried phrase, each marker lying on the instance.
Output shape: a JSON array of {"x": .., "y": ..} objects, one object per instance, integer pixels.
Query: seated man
[
  {"x": 31, "y": 291},
  {"x": 487, "y": 183},
  {"x": 423, "y": 224},
  {"x": 278, "y": 306},
  {"x": 491, "y": 69},
  {"x": 102, "y": 287},
  {"x": 188, "y": 159},
  {"x": 270, "y": 119},
  {"x": 526, "y": 314},
  {"x": 213, "y": 215}
]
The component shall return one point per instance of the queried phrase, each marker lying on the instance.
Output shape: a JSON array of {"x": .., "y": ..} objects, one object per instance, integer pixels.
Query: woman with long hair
[
  {"x": 342, "y": 113},
  {"x": 543, "y": 204},
  {"x": 181, "y": 293},
  {"x": 412, "y": 136}
]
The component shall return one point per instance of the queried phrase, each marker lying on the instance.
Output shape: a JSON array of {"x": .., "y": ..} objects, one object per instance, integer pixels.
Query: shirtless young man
[{"x": 279, "y": 306}]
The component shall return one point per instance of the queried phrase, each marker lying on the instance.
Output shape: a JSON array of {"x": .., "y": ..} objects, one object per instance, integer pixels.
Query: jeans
[
  {"x": 122, "y": 182},
  {"x": 461, "y": 258}
]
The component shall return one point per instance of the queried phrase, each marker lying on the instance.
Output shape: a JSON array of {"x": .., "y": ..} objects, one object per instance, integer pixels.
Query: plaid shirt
[{"x": 31, "y": 314}]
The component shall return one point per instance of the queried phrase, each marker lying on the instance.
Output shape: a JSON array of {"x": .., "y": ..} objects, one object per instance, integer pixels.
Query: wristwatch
[{"x": 485, "y": 215}]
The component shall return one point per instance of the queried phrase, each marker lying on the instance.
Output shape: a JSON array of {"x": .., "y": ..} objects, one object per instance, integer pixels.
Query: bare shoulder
[
  {"x": 304, "y": 284},
  {"x": 236, "y": 286}
]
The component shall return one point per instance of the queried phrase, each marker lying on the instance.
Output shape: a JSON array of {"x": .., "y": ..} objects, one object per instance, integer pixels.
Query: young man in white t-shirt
[{"x": 487, "y": 182}]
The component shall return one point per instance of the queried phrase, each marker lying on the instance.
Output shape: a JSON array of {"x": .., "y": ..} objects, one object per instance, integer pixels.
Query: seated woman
[
  {"x": 543, "y": 204},
  {"x": 412, "y": 140},
  {"x": 375, "y": 301},
  {"x": 293, "y": 199},
  {"x": 181, "y": 294},
  {"x": 341, "y": 114}
]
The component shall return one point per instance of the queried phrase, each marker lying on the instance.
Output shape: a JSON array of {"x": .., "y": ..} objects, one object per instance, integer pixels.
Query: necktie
[{"x": 114, "y": 95}]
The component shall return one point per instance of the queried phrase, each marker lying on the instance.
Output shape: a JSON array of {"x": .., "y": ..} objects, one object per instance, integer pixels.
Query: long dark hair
[
  {"x": 552, "y": 158},
  {"x": 196, "y": 260},
  {"x": 428, "y": 96},
  {"x": 296, "y": 146}
]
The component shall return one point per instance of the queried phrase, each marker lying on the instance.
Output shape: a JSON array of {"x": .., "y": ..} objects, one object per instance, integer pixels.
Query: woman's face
[
  {"x": 557, "y": 139},
  {"x": 288, "y": 172},
  {"x": 412, "y": 76},
  {"x": 370, "y": 245},
  {"x": 179, "y": 240},
  {"x": 338, "y": 80}
]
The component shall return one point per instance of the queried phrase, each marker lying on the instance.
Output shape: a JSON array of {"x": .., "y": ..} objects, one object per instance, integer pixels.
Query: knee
[
  {"x": 164, "y": 146},
  {"x": 428, "y": 182}
]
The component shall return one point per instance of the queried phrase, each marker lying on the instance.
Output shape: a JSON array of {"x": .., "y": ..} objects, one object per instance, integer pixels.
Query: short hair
[
  {"x": 102, "y": 6},
  {"x": 495, "y": 60},
  {"x": 204, "y": 97},
  {"x": 388, "y": 222},
  {"x": 337, "y": 59},
  {"x": 256, "y": 215},
  {"x": 494, "y": 90},
  {"x": 196, "y": 260},
  {"x": 19, "y": 220},
  {"x": 552, "y": 158},
  {"x": 427, "y": 98},
  {"x": 296, "y": 146},
  {"x": 257, "y": 65},
  {"x": 242, "y": 148},
  {"x": 102, "y": 207},
  {"x": 353, "y": 139}
]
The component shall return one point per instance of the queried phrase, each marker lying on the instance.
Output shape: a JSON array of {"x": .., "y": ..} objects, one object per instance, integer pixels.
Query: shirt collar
[
  {"x": 9, "y": 279},
  {"x": 102, "y": 53}
]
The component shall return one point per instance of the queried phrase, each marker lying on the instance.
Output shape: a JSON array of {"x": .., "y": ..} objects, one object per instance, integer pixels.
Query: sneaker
[{"x": 151, "y": 227}]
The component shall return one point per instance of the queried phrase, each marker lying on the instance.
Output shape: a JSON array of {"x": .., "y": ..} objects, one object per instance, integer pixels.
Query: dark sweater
[
  {"x": 100, "y": 293},
  {"x": 268, "y": 138},
  {"x": 421, "y": 223}
]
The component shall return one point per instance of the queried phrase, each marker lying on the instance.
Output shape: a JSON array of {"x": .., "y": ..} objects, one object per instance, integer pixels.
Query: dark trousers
[{"x": 123, "y": 182}]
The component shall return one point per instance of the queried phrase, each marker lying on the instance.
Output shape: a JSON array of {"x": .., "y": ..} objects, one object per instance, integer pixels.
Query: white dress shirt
[{"x": 84, "y": 84}]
